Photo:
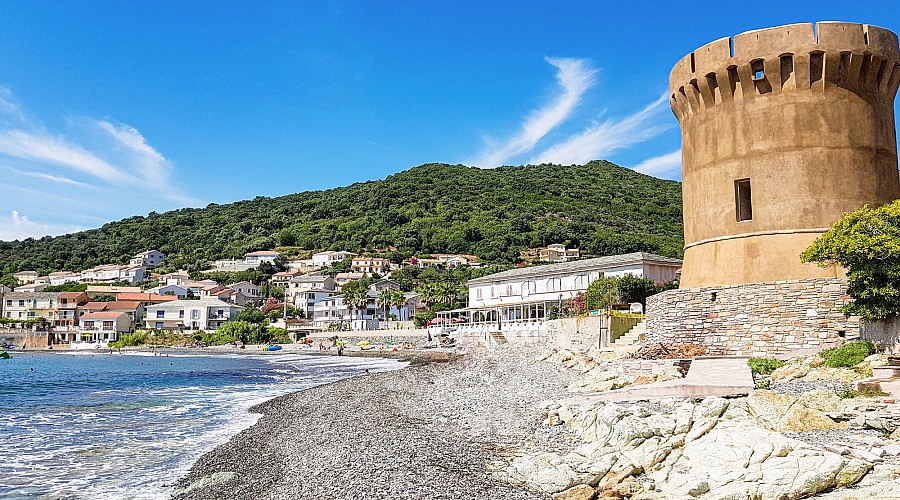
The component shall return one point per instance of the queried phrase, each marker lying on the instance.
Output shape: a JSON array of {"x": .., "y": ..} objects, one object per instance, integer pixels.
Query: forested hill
[{"x": 435, "y": 208}]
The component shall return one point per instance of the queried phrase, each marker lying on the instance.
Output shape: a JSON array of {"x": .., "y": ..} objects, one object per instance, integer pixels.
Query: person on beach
[{"x": 340, "y": 348}]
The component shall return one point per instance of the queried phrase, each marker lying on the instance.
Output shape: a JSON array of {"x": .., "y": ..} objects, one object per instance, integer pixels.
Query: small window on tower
[{"x": 742, "y": 199}]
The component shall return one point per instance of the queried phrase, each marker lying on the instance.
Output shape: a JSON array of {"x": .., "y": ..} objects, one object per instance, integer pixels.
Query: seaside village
[
  {"x": 515, "y": 303},
  {"x": 750, "y": 338}
]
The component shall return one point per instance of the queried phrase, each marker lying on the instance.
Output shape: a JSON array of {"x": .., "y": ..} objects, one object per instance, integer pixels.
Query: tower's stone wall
[
  {"x": 759, "y": 319},
  {"x": 806, "y": 114}
]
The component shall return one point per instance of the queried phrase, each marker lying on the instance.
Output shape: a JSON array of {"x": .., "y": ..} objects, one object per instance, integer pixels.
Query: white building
[
  {"x": 247, "y": 289},
  {"x": 149, "y": 258},
  {"x": 261, "y": 256},
  {"x": 204, "y": 314},
  {"x": 178, "y": 291},
  {"x": 327, "y": 258},
  {"x": 25, "y": 277},
  {"x": 558, "y": 253},
  {"x": 63, "y": 277},
  {"x": 370, "y": 265},
  {"x": 528, "y": 293},
  {"x": 109, "y": 272},
  {"x": 102, "y": 327},
  {"x": 332, "y": 310},
  {"x": 305, "y": 291}
]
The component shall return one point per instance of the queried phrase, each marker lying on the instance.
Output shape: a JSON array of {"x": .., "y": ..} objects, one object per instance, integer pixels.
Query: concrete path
[{"x": 713, "y": 376}]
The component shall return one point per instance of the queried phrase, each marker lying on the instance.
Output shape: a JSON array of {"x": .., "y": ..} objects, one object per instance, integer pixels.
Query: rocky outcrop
[
  {"x": 788, "y": 413},
  {"x": 712, "y": 449}
]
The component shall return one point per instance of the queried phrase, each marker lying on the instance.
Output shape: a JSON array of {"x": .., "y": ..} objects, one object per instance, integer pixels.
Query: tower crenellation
[{"x": 857, "y": 57}]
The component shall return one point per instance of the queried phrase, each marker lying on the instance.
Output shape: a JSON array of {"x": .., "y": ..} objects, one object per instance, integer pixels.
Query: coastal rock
[
  {"x": 787, "y": 413},
  {"x": 600, "y": 381},
  {"x": 709, "y": 449},
  {"x": 580, "y": 492}
]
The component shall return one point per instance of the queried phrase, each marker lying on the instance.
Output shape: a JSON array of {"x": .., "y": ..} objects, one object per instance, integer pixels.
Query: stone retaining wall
[{"x": 758, "y": 319}]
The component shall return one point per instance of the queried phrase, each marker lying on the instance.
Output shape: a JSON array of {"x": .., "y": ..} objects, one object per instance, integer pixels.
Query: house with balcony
[
  {"x": 67, "y": 315},
  {"x": 333, "y": 311},
  {"x": 248, "y": 290},
  {"x": 102, "y": 327},
  {"x": 558, "y": 253},
  {"x": 148, "y": 259},
  {"x": 285, "y": 277},
  {"x": 305, "y": 291},
  {"x": 203, "y": 314},
  {"x": 529, "y": 293},
  {"x": 63, "y": 277},
  {"x": 261, "y": 256},
  {"x": 25, "y": 277},
  {"x": 370, "y": 265},
  {"x": 32, "y": 305},
  {"x": 329, "y": 257},
  {"x": 110, "y": 272}
]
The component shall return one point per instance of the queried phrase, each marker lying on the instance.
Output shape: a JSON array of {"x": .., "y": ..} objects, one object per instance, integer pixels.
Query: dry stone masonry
[{"x": 758, "y": 319}]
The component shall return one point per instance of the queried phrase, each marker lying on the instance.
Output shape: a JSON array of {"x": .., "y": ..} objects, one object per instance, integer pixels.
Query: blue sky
[{"x": 113, "y": 109}]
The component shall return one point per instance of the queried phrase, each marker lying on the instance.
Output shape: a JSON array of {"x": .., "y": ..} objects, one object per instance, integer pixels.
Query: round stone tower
[{"x": 783, "y": 130}]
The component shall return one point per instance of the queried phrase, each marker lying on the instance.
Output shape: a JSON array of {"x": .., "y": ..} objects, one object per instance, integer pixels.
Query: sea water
[{"x": 94, "y": 425}]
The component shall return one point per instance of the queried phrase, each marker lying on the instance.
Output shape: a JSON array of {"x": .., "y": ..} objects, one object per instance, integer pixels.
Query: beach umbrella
[
  {"x": 364, "y": 342},
  {"x": 435, "y": 321}
]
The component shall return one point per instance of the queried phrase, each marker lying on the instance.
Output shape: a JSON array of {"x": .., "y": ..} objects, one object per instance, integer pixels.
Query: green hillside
[{"x": 599, "y": 207}]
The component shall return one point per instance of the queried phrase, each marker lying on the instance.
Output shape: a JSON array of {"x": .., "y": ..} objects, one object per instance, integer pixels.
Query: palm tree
[
  {"x": 398, "y": 299},
  {"x": 385, "y": 300},
  {"x": 355, "y": 295}
]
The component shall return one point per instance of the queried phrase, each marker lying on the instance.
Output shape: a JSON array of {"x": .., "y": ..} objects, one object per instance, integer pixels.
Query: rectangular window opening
[{"x": 743, "y": 201}]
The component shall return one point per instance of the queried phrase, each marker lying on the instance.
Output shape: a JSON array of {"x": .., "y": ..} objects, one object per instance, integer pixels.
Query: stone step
[{"x": 499, "y": 338}]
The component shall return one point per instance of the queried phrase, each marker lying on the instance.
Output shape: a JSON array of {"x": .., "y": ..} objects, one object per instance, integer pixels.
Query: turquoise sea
[{"x": 100, "y": 426}]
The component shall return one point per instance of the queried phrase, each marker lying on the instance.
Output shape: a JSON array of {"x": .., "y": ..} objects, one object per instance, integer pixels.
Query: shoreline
[{"x": 430, "y": 430}]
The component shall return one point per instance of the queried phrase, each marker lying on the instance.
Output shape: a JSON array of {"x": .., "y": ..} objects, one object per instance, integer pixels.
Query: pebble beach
[{"x": 433, "y": 430}]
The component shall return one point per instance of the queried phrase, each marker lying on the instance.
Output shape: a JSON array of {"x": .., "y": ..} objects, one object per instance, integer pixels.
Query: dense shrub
[
  {"x": 764, "y": 366},
  {"x": 137, "y": 338},
  {"x": 848, "y": 355}
]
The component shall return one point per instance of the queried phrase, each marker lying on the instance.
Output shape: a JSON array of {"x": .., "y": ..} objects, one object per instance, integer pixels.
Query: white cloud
[
  {"x": 55, "y": 178},
  {"x": 575, "y": 77},
  {"x": 20, "y": 220},
  {"x": 41, "y": 148},
  {"x": 666, "y": 166},
  {"x": 17, "y": 226},
  {"x": 85, "y": 170},
  {"x": 601, "y": 139}
]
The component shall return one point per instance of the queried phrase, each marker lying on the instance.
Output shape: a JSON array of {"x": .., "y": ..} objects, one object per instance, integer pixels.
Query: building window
[
  {"x": 195, "y": 314},
  {"x": 160, "y": 314},
  {"x": 159, "y": 324},
  {"x": 107, "y": 325},
  {"x": 89, "y": 324},
  {"x": 181, "y": 314},
  {"x": 742, "y": 200}
]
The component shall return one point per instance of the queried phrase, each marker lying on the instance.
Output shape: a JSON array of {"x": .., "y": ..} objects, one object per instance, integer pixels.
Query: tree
[
  {"x": 104, "y": 297},
  {"x": 635, "y": 289},
  {"x": 251, "y": 315},
  {"x": 866, "y": 243},
  {"x": 398, "y": 299},
  {"x": 385, "y": 300},
  {"x": 355, "y": 295}
]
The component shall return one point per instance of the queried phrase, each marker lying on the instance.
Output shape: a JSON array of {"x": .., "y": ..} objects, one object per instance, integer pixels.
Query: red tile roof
[
  {"x": 146, "y": 297},
  {"x": 103, "y": 315},
  {"x": 122, "y": 304},
  {"x": 95, "y": 306}
]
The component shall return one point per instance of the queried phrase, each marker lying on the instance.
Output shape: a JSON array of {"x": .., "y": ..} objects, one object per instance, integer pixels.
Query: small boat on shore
[
  {"x": 272, "y": 347},
  {"x": 4, "y": 355}
]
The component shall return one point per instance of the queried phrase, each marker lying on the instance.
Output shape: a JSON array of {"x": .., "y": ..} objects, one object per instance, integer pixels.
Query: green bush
[
  {"x": 130, "y": 340},
  {"x": 764, "y": 366},
  {"x": 848, "y": 355}
]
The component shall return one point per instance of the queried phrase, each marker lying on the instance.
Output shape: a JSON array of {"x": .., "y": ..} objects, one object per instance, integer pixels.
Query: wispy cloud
[
  {"x": 56, "y": 151},
  {"x": 55, "y": 178},
  {"x": 575, "y": 77},
  {"x": 102, "y": 168},
  {"x": 601, "y": 139},
  {"x": 667, "y": 166}
]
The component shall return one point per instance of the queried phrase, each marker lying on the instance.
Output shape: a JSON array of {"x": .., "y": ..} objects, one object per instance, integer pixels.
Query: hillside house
[
  {"x": 148, "y": 259},
  {"x": 203, "y": 314}
]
